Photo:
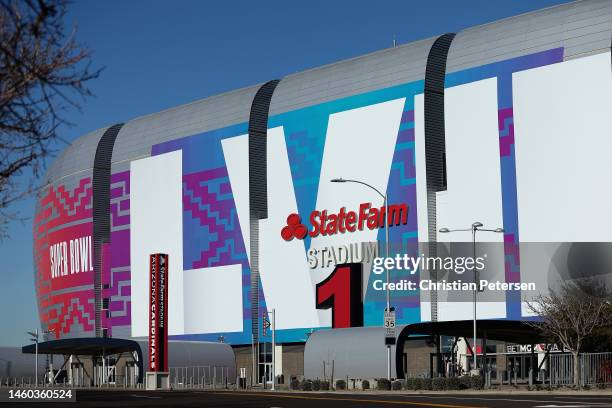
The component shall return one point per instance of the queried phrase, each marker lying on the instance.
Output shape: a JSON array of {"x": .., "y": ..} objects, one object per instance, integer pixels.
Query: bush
[
  {"x": 324, "y": 385},
  {"x": 383, "y": 384},
  {"x": 397, "y": 385},
  {"x": 454, "y": 383},
  {"x": 424, "y": 384},
  {"x": 439, "y": 384},
  {"x": 341, "y": 385},
  {"x": 295, "y": 384},
  {"x": 465, "y": 382},
  {"x": 411, "y": 383},
  {"x": 306, "y": 385},
  {"x": 316, "y": 385},
  {"x": 477, "y": 382},
  {"x": 365, "y": 384}
]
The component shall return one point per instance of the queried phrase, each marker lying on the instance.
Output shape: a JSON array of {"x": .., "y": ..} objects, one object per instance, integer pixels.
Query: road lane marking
[
  {"x": 589, "y": 404},
  {"x": 570, "y": 406},
  {"x": 373, "y": 401},
  {"x": 144, "y": 396}
]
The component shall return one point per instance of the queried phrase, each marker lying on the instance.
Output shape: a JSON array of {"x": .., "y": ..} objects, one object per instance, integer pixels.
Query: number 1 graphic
[{"x": 341, "y": 291}]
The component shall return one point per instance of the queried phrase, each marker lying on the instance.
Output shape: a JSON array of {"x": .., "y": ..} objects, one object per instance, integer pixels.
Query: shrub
[
  {"x": 306, "y": 385},
  {"x": 475, "y": 382},
  {"x": 454, "y": 383},
  {"x": 383, "y": 384},
  {"x": 365, "y": 384},
  {"x": 397, "y": 385},
  {"x": 424, "y": 384},
  {"x": 411, "y": 383},
  {"x": 439, "y": 384},
  {"x": 341, "y": 385},
  {"x": 295, "y": 384},
  {"x": 324, "y": 385},
  {"x": 465, "y": 382},
  {"x": 316, "y": 385}
]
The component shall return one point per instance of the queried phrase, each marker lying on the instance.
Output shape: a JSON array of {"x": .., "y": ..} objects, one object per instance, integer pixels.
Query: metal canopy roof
[
  {"x": 89, "y": 346},
  {"x": 512, "y": 331}
]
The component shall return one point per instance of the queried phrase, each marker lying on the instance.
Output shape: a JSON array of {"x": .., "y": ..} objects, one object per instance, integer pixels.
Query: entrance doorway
[
  {"x": 518, "y": 366},
  {"x": 264, "y": 371}
]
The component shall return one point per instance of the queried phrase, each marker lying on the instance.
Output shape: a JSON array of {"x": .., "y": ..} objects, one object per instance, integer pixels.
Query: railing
[
  {"x": 199, "y": 377},
  {"x": 595, "y": 368}
]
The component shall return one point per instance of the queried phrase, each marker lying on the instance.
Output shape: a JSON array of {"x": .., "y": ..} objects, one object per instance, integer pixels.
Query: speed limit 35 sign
[{"x": 389, "y": 325}]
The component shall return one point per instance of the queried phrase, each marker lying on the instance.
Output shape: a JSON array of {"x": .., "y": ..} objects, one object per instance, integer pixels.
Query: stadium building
[{"x": 506, "y": 123}]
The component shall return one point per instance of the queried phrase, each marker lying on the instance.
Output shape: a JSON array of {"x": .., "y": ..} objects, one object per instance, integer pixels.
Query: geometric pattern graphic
[
  {"x": 65, "y": 303},
  {"x": 207, "y": 199},
  {"x": 117, "y": 271},
  {"x": 212, "y": 234},
  {"x": 401, "y": 189}
]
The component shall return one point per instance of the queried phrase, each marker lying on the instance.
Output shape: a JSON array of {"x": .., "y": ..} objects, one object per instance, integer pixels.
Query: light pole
[
  {"x": 273, "y": 349},
  {"x": 384, "y": 197},
  {"x": 476, "y": 226},
  {"x": 35, "y": 339}
]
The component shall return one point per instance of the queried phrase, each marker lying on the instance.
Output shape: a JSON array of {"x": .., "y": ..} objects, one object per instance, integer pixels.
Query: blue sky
[{"x": 159, "y": 54}]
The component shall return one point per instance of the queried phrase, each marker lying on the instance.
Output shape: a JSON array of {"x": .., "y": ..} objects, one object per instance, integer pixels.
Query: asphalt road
[{"x": 116, "y": 399}]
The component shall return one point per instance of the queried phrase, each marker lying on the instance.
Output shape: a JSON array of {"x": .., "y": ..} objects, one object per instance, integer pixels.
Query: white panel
[
  {"x": 563, "y": 143},
  {"x": 473, "y": 184},
  {"x": 421, "y": 179},
  {"x": 421, "y": 188},
  {"x": 213, "y": 299},
  {"x": 278, "y": 360},
  {"x": 156, "y": 218},
  {"x": 472, "y": 161},
  {"x": 284, "y": 273},
  {"x": 359, "y": 145},
  {"x": 465, "y": 310},
  {"x": 236, "y": 153}
]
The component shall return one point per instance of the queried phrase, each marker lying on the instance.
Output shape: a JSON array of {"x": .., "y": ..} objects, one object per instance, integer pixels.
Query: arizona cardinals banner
[{"x": 158, "y": 316}]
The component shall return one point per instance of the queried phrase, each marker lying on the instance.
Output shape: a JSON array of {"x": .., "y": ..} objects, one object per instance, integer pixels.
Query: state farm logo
[
  {"x": 294, "y": 228},
  {"x": 325, "y": 223}
]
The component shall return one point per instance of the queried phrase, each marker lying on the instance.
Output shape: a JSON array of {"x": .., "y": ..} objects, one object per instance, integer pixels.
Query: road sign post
[{"x": 389, "y": 325}]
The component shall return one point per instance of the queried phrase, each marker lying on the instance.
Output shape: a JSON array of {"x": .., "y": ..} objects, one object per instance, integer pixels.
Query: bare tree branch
[
  {"x": 572, "y": 313},
  {"x": 43, "y": 72}
]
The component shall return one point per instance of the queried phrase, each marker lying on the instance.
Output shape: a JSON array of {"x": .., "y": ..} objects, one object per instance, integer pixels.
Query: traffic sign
[
  {"x": 389, "y": 325},
  {"x": 265, "y": 323}
]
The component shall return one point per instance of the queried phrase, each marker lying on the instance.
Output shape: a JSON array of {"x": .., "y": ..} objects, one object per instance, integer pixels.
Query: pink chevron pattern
[{"x": 63, "y": 214}]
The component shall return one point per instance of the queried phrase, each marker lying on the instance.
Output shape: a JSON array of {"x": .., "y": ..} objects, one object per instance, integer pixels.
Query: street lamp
[
  {"x": 476, "y": 226},
  {"x": 384, "y": 197},
  {"x": 35, "y": 337}
]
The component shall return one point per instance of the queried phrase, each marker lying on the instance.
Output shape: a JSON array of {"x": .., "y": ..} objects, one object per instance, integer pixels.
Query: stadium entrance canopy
[
  {"x": 509, "y": 331},
  {"x": 93, "y": 347},
  {"x": 361, "y": 352}
]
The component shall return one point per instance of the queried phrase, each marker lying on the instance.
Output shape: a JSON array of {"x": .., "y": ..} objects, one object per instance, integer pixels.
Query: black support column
[{"x": 101, "y": 211}]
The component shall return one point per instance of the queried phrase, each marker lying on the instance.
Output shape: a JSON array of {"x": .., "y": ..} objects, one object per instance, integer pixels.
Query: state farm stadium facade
[{"x": 505, "y": 123}]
